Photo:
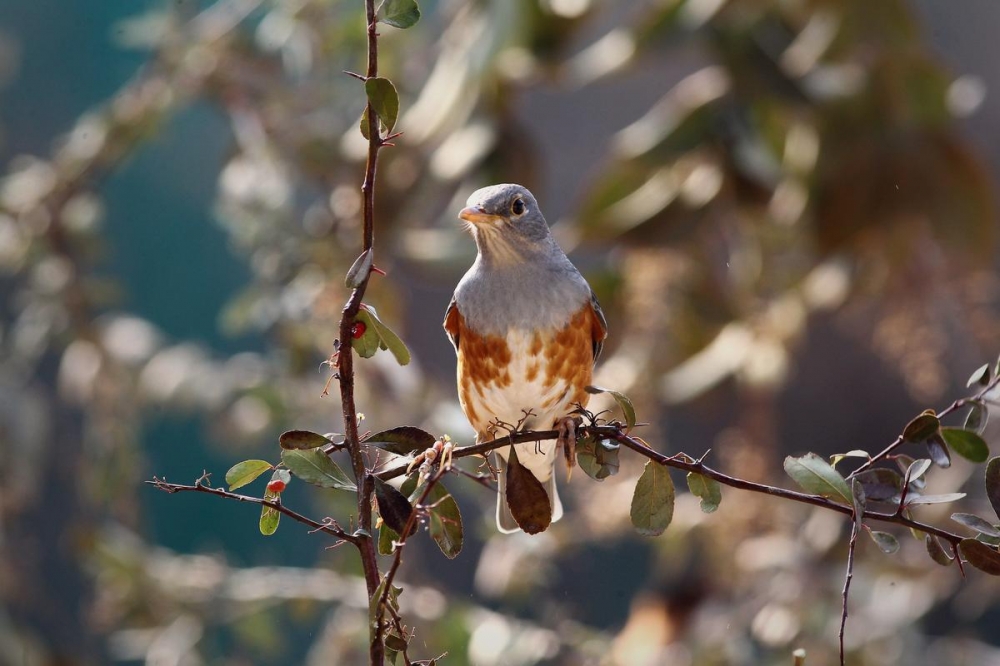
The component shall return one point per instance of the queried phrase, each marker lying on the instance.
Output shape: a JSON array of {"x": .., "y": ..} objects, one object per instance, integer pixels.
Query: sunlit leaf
[
  {"x": 387, "y": 337},
  {"x": 966, "y": 443},
  {"x": 402, "y": 440},
  {"x": 983, "y": 557},
  {"x": 315, "y": 467},
  {"x": 977, "y": 418},
  {"x": 302, "y": 439},
  {"x": 980, "y": 376},
  {"x": 917, "y": 469},
  {"x": 854, "y": 453},
  {"x": 934, "y": 499},
  {"x": 937, "y": 450},
  {"x": 529, "y": 503},
  {"x": 393, "y": 506},
  {"x": 922, "y": 428},
  {"x": 359, "y": 270},
  {"x": 653, "y": 501},
  {"x": 598, "y": 458},
  {"x": 973, "y": 521},
  {"x": 400, "y": 13},
  {"x": 386, "y": 539},
  {"x": 445, "y": 521},
  {"x": 885, "y": 541},
  {"x": 707, "y": 489},
  {"x": 993, "y": 483},
  {"x": 269, "y": 516},
  {"x": 244, "y": 472},
  {"x": 937, "y": 553},
  {"x": 384, "y": 99},
  {"x": 815, "y": 475},
  {"x": 369, "y": 341},
  {"x": 623, "y": 402}
]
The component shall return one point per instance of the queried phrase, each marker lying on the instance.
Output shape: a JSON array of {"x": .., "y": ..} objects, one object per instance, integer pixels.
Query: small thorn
[
  {"x": 376, "y": 269},
  {"x": 355, "y": 75}
]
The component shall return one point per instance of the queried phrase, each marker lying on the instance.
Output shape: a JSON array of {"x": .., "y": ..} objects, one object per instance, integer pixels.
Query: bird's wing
[
  {"x": 451, "y": 323},
  {"x": 599, "y": 327}
]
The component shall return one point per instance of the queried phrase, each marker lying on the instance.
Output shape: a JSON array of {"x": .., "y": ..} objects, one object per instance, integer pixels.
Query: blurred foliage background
[{"x": 786, "y": 208}]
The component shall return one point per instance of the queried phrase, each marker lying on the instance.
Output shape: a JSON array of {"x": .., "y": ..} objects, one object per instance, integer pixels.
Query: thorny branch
[
  {"x": 847, "y": 586},
  {"x": 345, "y": 371},
  {"x": 201, "y": 486},
  {"x": 684, "y": 462}
]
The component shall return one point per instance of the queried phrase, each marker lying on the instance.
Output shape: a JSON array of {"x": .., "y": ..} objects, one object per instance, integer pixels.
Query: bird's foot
[{"x": 441, "y": 449}]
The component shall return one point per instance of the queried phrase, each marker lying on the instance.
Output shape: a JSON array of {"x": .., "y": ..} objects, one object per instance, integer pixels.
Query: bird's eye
[{"x": 517, "y": 207}]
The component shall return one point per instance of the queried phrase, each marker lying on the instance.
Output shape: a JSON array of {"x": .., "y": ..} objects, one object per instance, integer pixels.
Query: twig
[
  {"x": 847, "y": 586},
  {"x": 688, "y": 464},
  {"x": 365, "y": 483},
  {"x": 956, "y": 405},
  {"x": 326, "y": 526}
]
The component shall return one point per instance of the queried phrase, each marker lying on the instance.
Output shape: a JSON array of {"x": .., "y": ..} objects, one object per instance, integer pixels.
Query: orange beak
[{"x": 476, "y": 215}]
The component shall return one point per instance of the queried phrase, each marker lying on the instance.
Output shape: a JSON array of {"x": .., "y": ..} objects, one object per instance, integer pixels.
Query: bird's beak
[{"x": 476, "y": 215}]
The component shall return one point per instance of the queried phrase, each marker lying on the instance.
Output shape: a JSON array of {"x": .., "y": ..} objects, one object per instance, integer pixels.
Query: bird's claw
[{"x": 440, "y": 449}]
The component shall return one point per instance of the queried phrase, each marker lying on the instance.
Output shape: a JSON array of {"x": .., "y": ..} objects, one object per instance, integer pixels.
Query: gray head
[{"x": 507, "y": 224}]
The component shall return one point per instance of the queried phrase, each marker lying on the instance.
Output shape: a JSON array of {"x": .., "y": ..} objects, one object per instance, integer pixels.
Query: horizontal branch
[
  {"x": 686, "y": 463},
  {"x": 199, "y": 487}
]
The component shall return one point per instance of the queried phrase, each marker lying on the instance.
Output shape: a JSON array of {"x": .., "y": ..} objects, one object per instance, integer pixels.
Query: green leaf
[
  {"x": 977, "y": 418},
  {"x": 360, "y": 269},
  {"x": 445, "y": 521},
  {"x": 981, "y": 525},
  {"x": 858, "y": 501},
  {"x": 937, "y": 553},
  {"x": 653, "y": 501},
  {"x": 966, "y": 443},
  {"x": 244, "y": 472},
  {"x": 854, "y": 453},
  {"x": 705, "y": 488},
  {"x": 400, "y": 13},
  {"x": 386, "y": 539},
  {"x": 402, "y": 441},
  {"x": 885, "y": 541},
  {"x": 529, "y": 503},
  {"x": 598, "y": 458},
  {"x": 981, "y": 376},
  {"x": 922, "y": 428},
  {"x": 363, "y": 125},
  {"x": 313, "y": 466},
  {"x": 369, "y": 341},
  {"x": 993, "y": 483},
  {"x": 917, "y": 469},
  {"x": 393, "y": 506},
  {"x": 269, "y": 516},
  {"x": 623, "y": 402},
  {"x": 815, "y": 475},
  {"x": 302, "y": 439},
  {"x": 983, "y": 557},
  {"x": 387, "y": 338},
  {"x": 880, "y": 485},
  {"x": 934, "y": 499},
  {"x": 384, "y": 99}
]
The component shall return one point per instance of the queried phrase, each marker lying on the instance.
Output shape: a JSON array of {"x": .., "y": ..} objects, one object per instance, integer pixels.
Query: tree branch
[
  {"x": 958, "y": 404},
  {"x": 199, "y": 486},
  {"x": 686, "y": 463},
  {"x": 345, "y": 372}
]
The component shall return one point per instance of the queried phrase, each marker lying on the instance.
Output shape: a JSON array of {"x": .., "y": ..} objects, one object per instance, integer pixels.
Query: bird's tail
[{"x": 505, "y": 519}]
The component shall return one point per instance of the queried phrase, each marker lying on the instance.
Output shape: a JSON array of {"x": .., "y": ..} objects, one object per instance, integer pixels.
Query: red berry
[
  {"x": 358, "y": 329},
  {"x": 276, "y": 486}
]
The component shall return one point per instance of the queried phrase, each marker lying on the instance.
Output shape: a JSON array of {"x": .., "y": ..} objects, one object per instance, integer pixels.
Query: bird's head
[{"x": 506, "y": 223}]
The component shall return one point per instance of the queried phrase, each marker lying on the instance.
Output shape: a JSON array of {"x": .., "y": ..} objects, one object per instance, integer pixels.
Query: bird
[{"x": 527, "y": 331}]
